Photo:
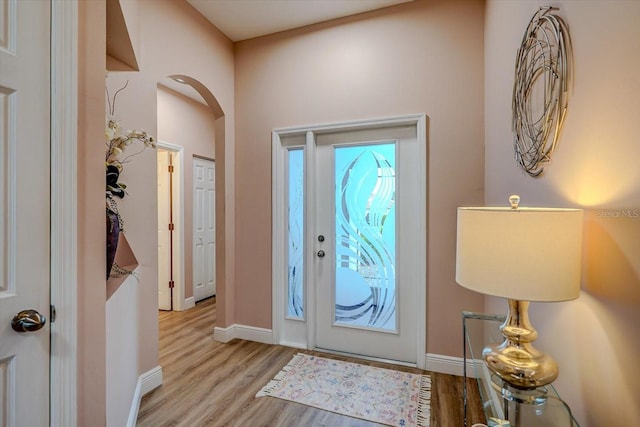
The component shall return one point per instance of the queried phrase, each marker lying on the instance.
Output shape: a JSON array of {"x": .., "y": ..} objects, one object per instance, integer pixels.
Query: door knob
[
  {"x": 320, "y": 254},
  {"x": 28, "y": 321}
]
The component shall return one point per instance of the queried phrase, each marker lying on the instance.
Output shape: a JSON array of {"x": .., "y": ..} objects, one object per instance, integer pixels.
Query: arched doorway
[{"x": 190, "y": 129}]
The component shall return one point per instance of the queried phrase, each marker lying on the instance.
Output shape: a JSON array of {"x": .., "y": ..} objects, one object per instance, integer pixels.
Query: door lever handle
[{"x": 28, "y": 321}]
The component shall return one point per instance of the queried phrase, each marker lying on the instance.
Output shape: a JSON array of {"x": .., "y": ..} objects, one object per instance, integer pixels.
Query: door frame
[
  {"x": 179, "y": 302},
  {"x": 301, "y": 333},
  {"x": 64, "y": 202}
]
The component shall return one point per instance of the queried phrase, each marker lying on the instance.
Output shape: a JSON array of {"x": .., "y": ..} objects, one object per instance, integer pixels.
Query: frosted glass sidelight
[
  {"x": 365, "y": 210},
  {"x": 295, "y": 297}
]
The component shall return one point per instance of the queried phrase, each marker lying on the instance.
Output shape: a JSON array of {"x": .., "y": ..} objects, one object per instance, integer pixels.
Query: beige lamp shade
[{"x": 527, "y": 254}]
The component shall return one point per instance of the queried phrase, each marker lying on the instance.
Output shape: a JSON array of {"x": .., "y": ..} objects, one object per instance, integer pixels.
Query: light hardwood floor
[{"x": 207, "y": 383}]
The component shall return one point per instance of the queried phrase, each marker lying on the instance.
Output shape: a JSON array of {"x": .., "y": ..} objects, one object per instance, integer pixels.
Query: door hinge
[
  {"x": 171, "y": 284},
  {"x": 170, "y": 168},
  {"x": 171, "y": 227},
  {"x": 52, "y": 313}
]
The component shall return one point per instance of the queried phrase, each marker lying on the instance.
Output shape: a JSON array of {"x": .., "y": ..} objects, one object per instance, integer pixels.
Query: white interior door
[
  {"x": 367, "y": 266},
  {"x": 24, "y": 210},
  {"x": 164, "y": 236},
  {"x": 204, "y": 229}
]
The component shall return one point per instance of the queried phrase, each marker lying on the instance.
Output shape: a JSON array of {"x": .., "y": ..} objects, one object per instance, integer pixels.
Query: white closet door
[{"x": 204, "y": 229}]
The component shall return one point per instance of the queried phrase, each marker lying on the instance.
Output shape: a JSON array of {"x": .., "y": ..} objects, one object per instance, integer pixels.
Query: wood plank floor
[{"x": 207, "y": 383}]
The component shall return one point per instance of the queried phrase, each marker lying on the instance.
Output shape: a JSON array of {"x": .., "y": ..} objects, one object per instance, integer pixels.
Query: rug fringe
[
  {"x": 424, "y": 398},
  {"x": 275, "y": 382}
]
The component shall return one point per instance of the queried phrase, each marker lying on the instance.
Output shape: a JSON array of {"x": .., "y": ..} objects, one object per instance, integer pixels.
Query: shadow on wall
[
  {"x": 611, "y": 286},
  {"x": 612, "y": 256}
]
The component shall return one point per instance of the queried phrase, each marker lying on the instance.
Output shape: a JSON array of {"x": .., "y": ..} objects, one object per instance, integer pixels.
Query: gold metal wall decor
[{"x": 540, "y": 90}]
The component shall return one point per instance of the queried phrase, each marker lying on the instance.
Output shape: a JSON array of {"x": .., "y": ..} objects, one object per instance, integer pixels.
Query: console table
[{"x": 504, "y": 405}]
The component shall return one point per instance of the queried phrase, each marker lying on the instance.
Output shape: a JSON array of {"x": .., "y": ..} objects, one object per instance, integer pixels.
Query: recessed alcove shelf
[
  {"x": 120, "y": 53},
  {"x": 120, "y": 57},
  {"x": 126, "y": 259}
]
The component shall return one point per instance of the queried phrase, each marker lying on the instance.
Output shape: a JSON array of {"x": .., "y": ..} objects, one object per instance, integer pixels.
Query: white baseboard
[
  {"x": 450, "y": 365},
  {"x": 434, "y": 362},
  {"x": 185, "y": 304},
  {"x": 189, "y": 303},
  {"x": 148, "y": 381},
  {"x": 249, "y": 333}
]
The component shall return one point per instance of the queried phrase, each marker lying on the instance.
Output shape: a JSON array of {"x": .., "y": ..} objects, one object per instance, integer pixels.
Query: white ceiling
[{"x": 245, "y": 19}]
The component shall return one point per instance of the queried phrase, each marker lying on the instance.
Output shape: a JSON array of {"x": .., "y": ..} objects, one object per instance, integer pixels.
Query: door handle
[
  {"x": 28, "y": 321},
  {"x": 321, "y": 254}
]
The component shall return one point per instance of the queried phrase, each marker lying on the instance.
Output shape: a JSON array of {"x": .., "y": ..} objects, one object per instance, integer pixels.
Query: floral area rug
[{"x": 374, "y": 394}]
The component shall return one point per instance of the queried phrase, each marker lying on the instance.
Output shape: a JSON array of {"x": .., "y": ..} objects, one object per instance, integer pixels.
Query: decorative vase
[{"x": 113, "y": 233}]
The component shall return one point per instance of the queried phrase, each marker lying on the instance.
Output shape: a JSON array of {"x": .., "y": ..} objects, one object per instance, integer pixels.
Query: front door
[
  {"x": 367, "y": 263},
  {"x": 24, "y": 211}
]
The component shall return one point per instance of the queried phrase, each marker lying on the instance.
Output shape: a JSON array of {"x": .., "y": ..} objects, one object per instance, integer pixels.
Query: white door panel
[
  {"x": 204, "y": 277},
  {"x": 24, "y": 209}
]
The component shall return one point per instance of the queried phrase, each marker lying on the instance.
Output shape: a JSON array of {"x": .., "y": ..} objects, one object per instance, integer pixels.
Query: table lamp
[{"x": 522, "y": 254}]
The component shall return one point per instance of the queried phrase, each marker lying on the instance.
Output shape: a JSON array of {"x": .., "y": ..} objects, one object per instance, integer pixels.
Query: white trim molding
[
  {"x": 64, "y": 175},
  {"x": 147, "y": 382},
  {"x": 450, "y": 365},
  {"x": 188, "y": 303},
  {"x": 243, "y": 332}
]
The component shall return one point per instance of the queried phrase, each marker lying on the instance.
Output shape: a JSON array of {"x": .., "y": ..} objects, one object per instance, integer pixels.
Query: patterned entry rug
[{"x": 374, "y": 394}]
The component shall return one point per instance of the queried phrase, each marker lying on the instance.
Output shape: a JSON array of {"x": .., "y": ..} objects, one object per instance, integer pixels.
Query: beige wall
[
  {"x": 173, "y": 39},
  {"x": 121, "y": 339},
  {"x": 594, "y": 338},
  {"x": 419, "y": 57},
  {"x": 191, "y": 125},
  {"x": 91, "y": 223},
  {"x": 169, "y": 38}
]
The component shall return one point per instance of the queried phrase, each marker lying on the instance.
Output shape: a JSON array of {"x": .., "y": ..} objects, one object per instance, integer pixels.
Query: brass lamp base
[{"x": 516, "y": 361}]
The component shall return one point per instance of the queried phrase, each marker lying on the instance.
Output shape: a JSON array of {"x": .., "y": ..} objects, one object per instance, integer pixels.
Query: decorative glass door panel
[
  {"x": 295, "y": 233},
  {"x": 365, "y": 236}
]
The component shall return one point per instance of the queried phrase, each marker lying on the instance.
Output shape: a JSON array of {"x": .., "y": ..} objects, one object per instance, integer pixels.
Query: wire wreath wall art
[{"x": 540, "y": 90}]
